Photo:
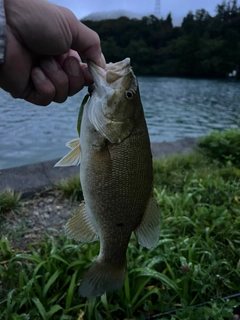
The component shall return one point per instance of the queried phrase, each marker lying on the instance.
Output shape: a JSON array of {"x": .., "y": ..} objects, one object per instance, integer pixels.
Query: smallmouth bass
[{"x": 116, "y": 175}]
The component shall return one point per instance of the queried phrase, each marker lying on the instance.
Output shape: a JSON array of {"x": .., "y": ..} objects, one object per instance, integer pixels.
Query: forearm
[{"x": 2, "y": 31}]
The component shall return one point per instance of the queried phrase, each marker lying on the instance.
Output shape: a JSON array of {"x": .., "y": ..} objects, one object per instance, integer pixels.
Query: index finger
[{"x": 85, "y": 41}]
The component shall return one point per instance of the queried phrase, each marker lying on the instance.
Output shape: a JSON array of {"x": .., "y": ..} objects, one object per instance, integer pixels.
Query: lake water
[{"x": 174, "y": 108}]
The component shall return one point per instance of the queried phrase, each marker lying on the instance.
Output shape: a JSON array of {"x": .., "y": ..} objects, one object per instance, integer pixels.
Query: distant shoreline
[{"x": 189, "y": 78}]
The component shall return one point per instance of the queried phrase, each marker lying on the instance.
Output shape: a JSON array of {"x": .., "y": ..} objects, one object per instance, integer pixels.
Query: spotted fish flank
[{"x": 116, "y": 176}]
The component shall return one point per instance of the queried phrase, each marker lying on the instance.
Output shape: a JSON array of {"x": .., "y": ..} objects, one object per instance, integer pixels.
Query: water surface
[{"x": 174, "y": 108}]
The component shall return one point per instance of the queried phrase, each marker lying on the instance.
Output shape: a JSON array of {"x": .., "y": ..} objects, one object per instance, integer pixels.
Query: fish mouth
[{"x": 111, "y": 76}]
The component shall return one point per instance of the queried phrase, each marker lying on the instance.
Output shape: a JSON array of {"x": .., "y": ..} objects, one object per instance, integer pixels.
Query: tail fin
[{"x": 102, "y": 277}]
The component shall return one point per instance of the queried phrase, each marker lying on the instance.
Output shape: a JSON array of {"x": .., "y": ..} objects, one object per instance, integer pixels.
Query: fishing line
[{"x": 160, "y": 315}]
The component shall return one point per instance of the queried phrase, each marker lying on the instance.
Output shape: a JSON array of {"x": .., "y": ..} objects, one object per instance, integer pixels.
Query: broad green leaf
[
  {"x": 53, "y": 310},
  {"x": 28, "y": 257},
  {"x": 57, "y": 257},
  {"x": 139, "y": 289},
  {"x": 70, "y": 292},
  {"x": 144, "y": 298},
  {"x": 51, "y": 281},
  {"x": 40, "y": 308},
  {"x": 158, "y": 276}
]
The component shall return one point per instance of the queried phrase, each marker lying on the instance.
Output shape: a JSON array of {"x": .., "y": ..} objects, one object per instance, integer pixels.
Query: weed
[
  {"x": 70, "y": 187},
  {"x": 223, "y": 146},
  {"x": 9, "y": 200}
]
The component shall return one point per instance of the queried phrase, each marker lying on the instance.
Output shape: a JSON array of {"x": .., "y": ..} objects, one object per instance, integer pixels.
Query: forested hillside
[{"x": 203, "y": 46}]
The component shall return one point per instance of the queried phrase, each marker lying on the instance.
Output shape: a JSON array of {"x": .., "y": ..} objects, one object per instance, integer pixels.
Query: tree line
[{"x": 203, "y": 46}]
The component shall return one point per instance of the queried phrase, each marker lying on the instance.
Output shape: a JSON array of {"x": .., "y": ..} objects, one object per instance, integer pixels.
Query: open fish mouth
[
  {"x": 112, "y": 75},
  {"x": 114, "y": 89}
]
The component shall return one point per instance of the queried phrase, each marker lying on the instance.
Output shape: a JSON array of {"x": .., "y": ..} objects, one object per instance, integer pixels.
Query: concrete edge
[{"x": 35, "y": 177}]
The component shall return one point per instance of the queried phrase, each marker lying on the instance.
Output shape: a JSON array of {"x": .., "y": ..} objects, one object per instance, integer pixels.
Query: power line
[{"x": 161, "y": 315}]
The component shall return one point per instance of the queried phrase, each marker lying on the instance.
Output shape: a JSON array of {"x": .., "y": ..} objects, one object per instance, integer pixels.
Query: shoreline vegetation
[
  {"x": 195, "y": 261},
  {"x": 204, "y": 46}
]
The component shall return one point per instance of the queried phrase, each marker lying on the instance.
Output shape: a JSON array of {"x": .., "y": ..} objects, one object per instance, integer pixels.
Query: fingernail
[
  {"x": 74, "y": 67},
  {"x": 50, "y": 64},
  {"x": 39, "y": 74}
]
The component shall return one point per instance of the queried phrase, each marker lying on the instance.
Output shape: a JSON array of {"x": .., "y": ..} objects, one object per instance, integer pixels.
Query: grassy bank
[{"x": 197, "y": 259}]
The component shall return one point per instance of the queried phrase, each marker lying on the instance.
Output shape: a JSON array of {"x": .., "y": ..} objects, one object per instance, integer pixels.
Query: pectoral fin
[
  {"x": 73, "y": 143},
  {"x": 73, "y": 158},
  {"x": 79, "y": 227},
  {"x": 147, "y": 233}
]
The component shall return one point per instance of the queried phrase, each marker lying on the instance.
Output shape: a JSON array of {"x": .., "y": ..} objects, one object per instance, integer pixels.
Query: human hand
[{"x": 41, "y": 62}]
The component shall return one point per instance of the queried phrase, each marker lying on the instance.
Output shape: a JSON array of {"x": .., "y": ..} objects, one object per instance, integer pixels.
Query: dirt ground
[{"x": 37, "y": 217}]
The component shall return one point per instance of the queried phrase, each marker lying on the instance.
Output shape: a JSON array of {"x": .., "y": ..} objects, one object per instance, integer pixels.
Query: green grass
[
  {"x": 197, "y": 258},
  {"x": 223, "y": 146},
  {"x": 9, "y": 200},
  {"x": 70, "y": 188}
]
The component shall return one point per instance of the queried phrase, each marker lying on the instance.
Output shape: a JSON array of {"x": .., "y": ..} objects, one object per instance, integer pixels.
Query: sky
[{"x": 178, "y": 8}]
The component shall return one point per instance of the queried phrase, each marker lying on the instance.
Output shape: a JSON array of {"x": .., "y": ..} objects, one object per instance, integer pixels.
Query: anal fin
[
  {"x": 147, "y": 233},
  {"x": 79, "y": 227}
]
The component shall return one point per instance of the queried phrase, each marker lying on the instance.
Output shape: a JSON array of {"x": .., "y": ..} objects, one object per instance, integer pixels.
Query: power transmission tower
[{"x": 157, "y": 9}]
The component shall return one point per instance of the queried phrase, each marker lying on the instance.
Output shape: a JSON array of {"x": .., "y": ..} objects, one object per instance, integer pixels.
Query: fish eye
[{"x": 129, "y": 94}]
